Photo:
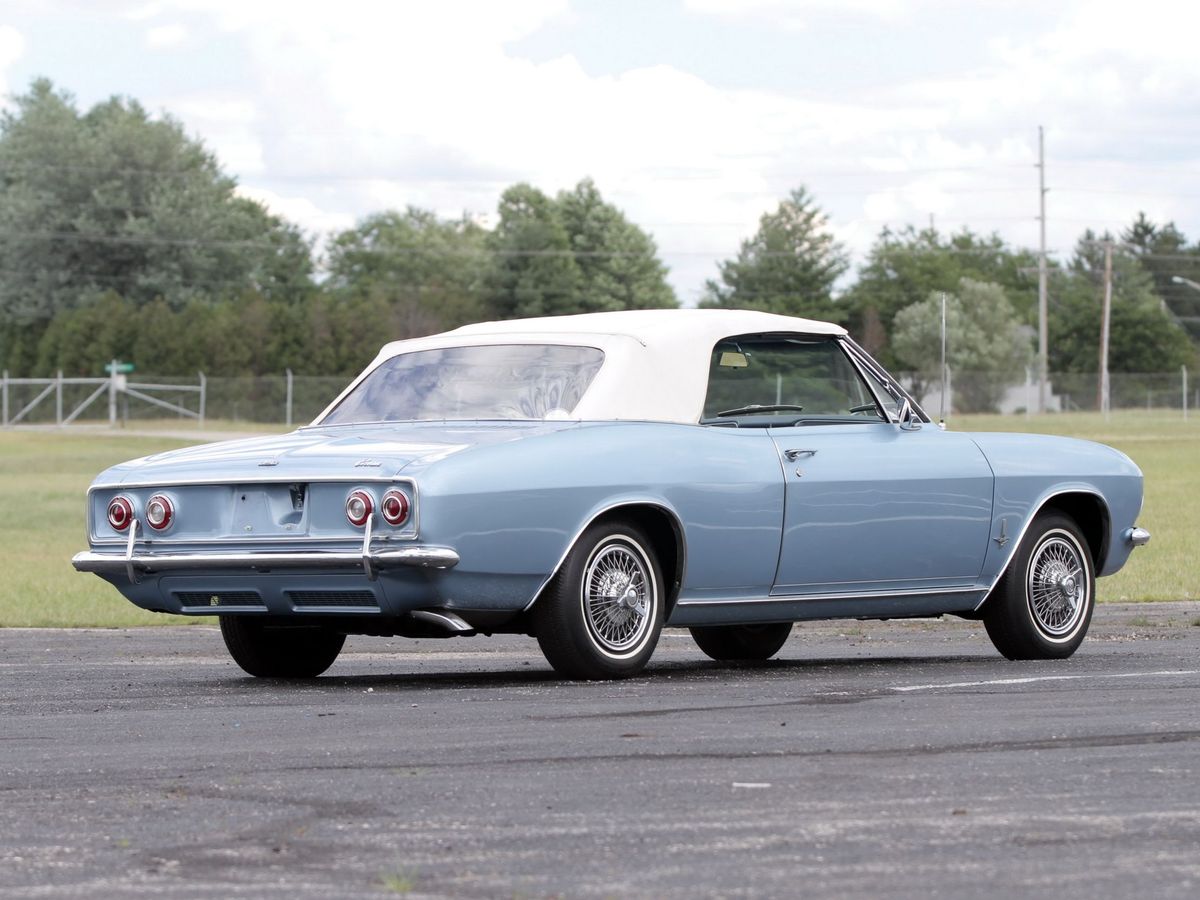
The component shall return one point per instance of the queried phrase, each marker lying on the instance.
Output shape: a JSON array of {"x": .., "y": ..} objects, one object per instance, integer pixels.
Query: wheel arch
[
  {"x": 1086, "y": 508},
  {"x": 1089, "y": 511},
  {"x": 661, "y": 525}
]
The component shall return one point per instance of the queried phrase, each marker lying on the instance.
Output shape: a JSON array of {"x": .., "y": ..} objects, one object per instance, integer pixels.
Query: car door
[
  {"x": 875, "y": 508},
  {"x": 870, "y": 505}
]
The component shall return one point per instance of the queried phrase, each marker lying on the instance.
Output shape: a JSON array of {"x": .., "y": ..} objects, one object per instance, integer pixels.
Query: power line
[
  {"x": 413, "y": 251},
  {"x": 200, "y": 168}
]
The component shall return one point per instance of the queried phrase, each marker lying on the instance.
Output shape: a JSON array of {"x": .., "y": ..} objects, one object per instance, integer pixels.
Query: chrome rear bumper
[{"x": 132, "y": 563}]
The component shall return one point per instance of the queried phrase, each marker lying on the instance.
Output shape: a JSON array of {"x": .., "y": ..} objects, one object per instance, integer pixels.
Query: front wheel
[
  {"x": 601, "y": 615},
  {"x": 1042, "y": 606},
  {"x": 268, "y": 651},
  {"x": 728, "y": 643}
]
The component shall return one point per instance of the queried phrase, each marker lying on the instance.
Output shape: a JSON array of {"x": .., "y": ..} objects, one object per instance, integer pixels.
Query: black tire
[
  {"x": 1042, "y": 605},
  {"x": 727, "y": 643},
  {"x": 271, "y": 651},
  {"x": 612, "y": 565}
]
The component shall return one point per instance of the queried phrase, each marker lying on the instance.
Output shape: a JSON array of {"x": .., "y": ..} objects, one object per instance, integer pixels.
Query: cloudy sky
[{"x": 694, "y": 116}]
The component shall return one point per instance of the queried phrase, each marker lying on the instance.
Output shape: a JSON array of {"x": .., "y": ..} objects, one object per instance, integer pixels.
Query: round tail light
[
  {"x": 159, "y": 512},
  {"x": 120, "y": 513},
  {"x": 358, "y": 508},
  {"x": 394, "y": 507}
]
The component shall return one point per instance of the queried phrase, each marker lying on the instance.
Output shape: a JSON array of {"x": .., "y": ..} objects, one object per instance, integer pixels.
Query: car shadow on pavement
[{"x": 669, "y": 672}]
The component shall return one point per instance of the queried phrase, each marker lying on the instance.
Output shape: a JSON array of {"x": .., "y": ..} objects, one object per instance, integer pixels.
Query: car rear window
[{"x": 505, "y": 381}]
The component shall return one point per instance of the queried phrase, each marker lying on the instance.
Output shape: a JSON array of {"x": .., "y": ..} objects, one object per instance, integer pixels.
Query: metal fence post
[
  {"x": 112, "y": 395},
  {"x": 203, "y": 396},
  {"x": 289, "y": 398},
  {"x": 1183, "y": 376},
  {"x": 58, "y": 400},
  {"x": 4, "y": 401}
]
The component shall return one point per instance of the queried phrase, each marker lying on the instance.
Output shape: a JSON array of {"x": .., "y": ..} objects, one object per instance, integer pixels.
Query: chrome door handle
[{"x": 793, "y": 455}]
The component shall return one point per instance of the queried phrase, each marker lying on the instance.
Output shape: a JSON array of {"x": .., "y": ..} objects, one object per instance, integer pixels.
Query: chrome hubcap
[
  {"x": 618, "y": 591},
  {"x": 1057, "y": 586}
]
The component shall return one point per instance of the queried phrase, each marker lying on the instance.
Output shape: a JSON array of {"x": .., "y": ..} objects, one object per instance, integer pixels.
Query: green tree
[
  {"x": 428, "y": 270},
  {"x": 984, "y": 335},
  {"x": 1142, "y": 335},
  {"x": 82, "y": 341},
  {"x": 903, "y": 267},
  {"x": 789, "y": 266},
  {"x": 533, "y": 271},
  {"x": 617, "y": 261},
  {"x": 1164, "y": 253},
  {"x": 574, "y": 253},
  {"x": 114, "y": 201}
]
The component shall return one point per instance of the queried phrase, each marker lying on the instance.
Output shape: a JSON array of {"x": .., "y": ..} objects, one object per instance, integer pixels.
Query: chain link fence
[
  {"x": 269, "y": 399},
  {"x": 990, "y": 392},
  {"x": 297, "y": 399}
]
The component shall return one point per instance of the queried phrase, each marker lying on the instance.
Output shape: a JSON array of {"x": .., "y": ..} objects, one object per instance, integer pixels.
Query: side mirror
[{"x": 908, "y": 418}]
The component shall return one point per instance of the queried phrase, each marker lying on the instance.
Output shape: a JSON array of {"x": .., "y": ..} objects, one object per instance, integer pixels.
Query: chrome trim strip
[
  {"x": 442, "y": 619},
  {"x": 1139, "y": 537},
  {"x": 1016, "y": 542},
  {"x": 288, "y": 539},
  {"x": 861, "y": 369},
  {"x": 846, "y": 595},
  {"x": 423, "y": 557},
  {"x": 865, "y": 360},
  {"x": 305, "y": 477}
]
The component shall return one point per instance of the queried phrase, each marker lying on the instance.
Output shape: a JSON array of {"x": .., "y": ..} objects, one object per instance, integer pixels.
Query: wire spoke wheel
[
  {"x": 1042, "y": 605},
  {"x": 617, "y": 594},
  {"x": 1056, "y": 586},
  {"x": 601, "y": 615}
]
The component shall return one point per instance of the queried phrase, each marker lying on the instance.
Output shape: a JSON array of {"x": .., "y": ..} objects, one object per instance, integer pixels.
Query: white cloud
[
  {"x": 795, "y": 9},
  {"x": 297, "y": 209},
  {"x": 163, "y": 36},
  {"x": 228, "y": 125},
  {"x": 12, "y": 47},
  {"x": 339, "y": 110}
]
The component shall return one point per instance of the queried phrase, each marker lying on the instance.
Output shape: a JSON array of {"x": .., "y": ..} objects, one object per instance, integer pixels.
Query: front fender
[{"x": 1032, "y": 470}]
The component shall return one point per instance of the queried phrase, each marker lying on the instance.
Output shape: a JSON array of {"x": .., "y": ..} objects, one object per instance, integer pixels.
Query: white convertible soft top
[{"x": 656, "y": 360}]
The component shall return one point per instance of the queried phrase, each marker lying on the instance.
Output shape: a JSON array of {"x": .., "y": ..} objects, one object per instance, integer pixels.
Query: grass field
[
  {"x": 1167, "y": 450},
  {"x": 44, "y": 475}
]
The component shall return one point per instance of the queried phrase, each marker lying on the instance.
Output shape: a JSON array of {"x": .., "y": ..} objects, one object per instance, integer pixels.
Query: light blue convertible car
[{"x": 592, "y": 479}]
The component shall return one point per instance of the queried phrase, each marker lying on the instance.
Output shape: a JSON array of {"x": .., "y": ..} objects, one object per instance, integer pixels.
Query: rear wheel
[
  {"x": 602, "y": 614},
  {"x": 741, "y": 642},
  {"x": 1042, "y": 606},
  {"x": 280, "y": 651}
]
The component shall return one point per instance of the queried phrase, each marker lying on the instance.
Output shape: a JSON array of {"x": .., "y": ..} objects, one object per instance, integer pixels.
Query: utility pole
[
  {"x": 1043, "y": 337},
  {"x": 1106, "y": 315}
]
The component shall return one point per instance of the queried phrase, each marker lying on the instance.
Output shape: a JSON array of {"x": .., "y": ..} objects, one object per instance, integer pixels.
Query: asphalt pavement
[{"x": 899, "y": 759}]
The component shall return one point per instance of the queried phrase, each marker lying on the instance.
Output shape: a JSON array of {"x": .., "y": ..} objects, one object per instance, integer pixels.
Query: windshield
[
  {"x": 489, "y": 382},
  {"x": 769, "y": 380}
]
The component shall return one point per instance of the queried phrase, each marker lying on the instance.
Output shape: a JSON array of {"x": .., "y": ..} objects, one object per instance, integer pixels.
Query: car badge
[
  {"x": 1003, "y": 538},
  {"x": 269, "y": 462},
  {"x": 368, "y": 464}
]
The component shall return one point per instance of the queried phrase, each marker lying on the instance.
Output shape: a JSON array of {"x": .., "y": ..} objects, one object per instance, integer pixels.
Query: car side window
[
  {"x": 777, "y": 379},
  {"x": 890, "y": 403}
]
